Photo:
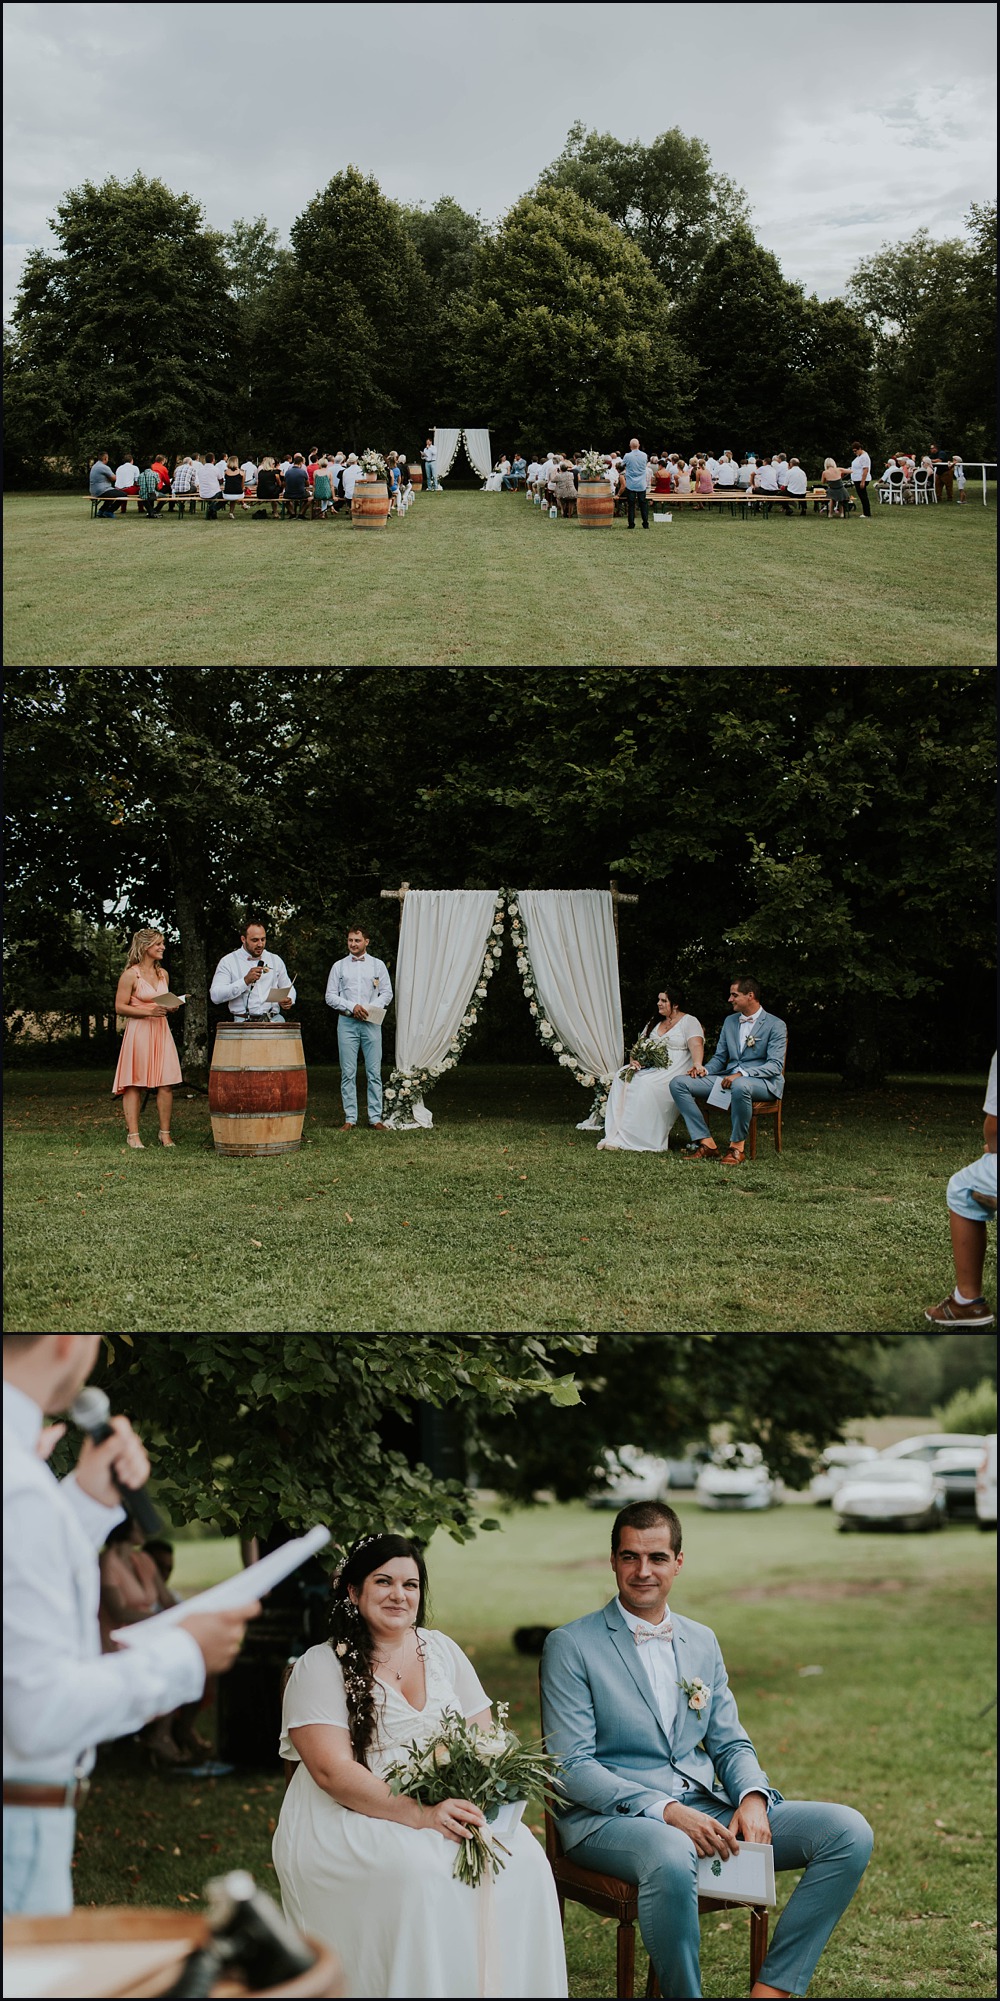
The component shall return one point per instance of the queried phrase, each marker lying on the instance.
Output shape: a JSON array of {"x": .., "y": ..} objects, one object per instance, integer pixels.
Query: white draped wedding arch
[
  {"x": 477, "y": 448},
  {"x": 450, "y": 942}
]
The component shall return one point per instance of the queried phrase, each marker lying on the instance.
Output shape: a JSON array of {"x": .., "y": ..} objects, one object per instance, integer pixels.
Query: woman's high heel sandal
[
  {"x": 165, "y": 1139},
  {"x": 132, "y": 1139}
]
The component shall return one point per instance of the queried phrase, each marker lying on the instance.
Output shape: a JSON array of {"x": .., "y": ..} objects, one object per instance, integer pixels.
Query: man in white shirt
[
  {"x": 972, "y": 1199},
  {"x": 127, "y": 478},
  {"x": 350, "y": 478},
  {"x": 766, "y": 479},
  {"x": 728, "y": 471},
  {"x": 714, "y": 468},
  {"x": 429, "y": 456},
  {"x": 61, "y": 1696},
  {"x": 249, "y": 471},
  {"x": 243, "y": 980},
  {"x": 221, "y": 468},
  {"x": 209, "y": 485},
  {"x": 861, "y": 472},
  {"x": 357, "y": 983},
  {"x": 796, "y": 484},
  {"x": 637, "y": 1707}
]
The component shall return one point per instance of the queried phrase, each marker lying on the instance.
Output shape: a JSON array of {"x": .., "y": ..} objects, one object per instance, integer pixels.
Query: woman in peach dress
[{"x": 148, "y": 1059}]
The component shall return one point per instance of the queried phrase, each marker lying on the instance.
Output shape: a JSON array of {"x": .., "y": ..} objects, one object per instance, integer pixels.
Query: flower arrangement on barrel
[
  {"x": 595, "y": 503},
  {"x": 492, "y": 1768}
]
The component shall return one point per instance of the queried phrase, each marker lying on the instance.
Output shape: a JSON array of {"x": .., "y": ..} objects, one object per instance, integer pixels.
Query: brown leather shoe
[
  {"x": 348, "y": 1126},
  {"x": 380, "y": 1126},
  {"x": 706, "y": 1151},
  {"x": 733, "y": 1157}
]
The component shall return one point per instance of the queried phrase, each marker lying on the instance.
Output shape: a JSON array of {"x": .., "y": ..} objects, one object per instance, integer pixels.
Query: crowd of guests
[
  {"x": 297, "y": 487},
  {"x": 552, "y": 481}
]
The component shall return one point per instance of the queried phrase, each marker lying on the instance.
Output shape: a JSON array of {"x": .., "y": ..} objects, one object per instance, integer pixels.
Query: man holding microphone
[
  {"x": 237, "y": 978},
  {"x": 61, "y": 1696}
]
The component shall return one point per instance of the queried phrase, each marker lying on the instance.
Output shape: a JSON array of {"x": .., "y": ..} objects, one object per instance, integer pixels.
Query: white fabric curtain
[
  {"x": 442, "y": 942},
  {"x": 570, "y": 936},
  {"x": 447, "y": 445},
  {"x": 477, "y": 444}
]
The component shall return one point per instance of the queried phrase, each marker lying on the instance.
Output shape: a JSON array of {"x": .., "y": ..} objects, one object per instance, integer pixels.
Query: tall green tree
[
  {"x": 252, "y": 257},
  {"x": 776, "y": 370},
  {"x": 122, "y": 335},
  {"x": 248, "y": 1431},
  {"x": 666, "y": 196},
  {"x": 350, "y": 308},
  {"x": 567, "y": 335},
  {"x": 931, "y": 310}
]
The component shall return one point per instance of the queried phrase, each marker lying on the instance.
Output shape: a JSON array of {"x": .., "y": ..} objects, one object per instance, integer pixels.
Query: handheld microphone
[{"x": 90, "y": 1410}]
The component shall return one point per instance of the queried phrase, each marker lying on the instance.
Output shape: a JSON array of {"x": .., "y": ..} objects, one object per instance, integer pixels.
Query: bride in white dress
[
  {"x": 371, "y": 1873},
  {"x": 639, "y": 1114}
]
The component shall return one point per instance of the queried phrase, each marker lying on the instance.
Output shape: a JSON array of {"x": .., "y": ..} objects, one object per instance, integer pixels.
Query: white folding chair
[
  {"x": 923, "y": 481},
  {"x": 890, "y": 487}
]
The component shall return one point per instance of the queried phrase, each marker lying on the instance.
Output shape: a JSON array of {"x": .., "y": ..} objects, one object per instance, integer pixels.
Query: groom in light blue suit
[
  {"x": 636, "y": 1706},
  {"x": 749, "y": 1061}
]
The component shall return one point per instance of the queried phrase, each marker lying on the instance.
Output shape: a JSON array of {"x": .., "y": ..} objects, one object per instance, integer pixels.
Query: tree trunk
[
  {"x": 84, "y": 1028},
  {"x": 190, "y": 923},
  {"x": 863, "y": 1055}
]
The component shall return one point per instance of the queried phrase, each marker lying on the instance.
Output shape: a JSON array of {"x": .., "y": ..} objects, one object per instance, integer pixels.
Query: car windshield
[{"x": 892, "y": 1471}]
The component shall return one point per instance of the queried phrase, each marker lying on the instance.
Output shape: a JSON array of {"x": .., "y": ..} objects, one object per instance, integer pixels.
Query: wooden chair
[
  {"x": 766, "y": 1108},
  {"x": 614, "y": 1897}
]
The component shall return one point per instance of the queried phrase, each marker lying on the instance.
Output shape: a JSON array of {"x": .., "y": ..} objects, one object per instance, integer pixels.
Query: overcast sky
[{"x": 847, "y": 125}]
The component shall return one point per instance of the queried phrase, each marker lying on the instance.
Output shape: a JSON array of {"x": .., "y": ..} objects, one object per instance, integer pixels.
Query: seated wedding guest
[
  {"x": 728, "y": 472},
  {"x": 184, "y": 485},
  {"x": 102, "y": 487},
  {"x": 234, "y": 486},
  {"x": 703, "y": 478},
  {"x": 149, "y": 487},
  {"x": 368, "y": 1870},
  {"x": 658, "y": 1770},
  {"x": 209, "y": 485},
  {"x": 132, "y": 1589},
  {"x": 159, "y": 466},
  {"x": 349, "y": 477},
  {"x": 356, "y": 983},
  {"x": 323, "y": 491},
  {"x": 269, "y": 484},
  {"x": 713, "y": 466},
  {"x": 249, "y": 471},
  {"x": 744, "y": 476},
  {"x": 148, "y": 1058},
  {"x": 297, "y": 489},
  {"x": 972, "y": 1198},
  {"x": 662, "y": 482},
  {"x": 748, "y": 1063},
  {"x": 766, "y": 477},
  {"x": 517, "y": 474},
  {"x": 640, "y": 1110},
  {"x": 833, "y": 477},
  {"x": 243, "y": 980},
  {"x": 683, "y": 476},
  {"x": 565, "y": 490},
  {"x": 127, "y": 479},
  {"x": 796, "y": 484}
]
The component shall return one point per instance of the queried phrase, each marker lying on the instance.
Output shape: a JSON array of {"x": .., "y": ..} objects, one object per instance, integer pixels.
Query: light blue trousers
[
  {"x": 831, "y": 1844},
  {"x": 354, "y": 1036},
  {"x": 37, "y": 1861},
  {"x": 686, "y": 1091}
]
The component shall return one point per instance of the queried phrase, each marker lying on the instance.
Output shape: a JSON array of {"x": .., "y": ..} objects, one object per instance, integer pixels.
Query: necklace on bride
[{"x": 383, "y": 1660}]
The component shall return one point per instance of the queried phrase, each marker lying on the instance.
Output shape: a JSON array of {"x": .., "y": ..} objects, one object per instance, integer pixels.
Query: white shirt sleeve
[
  {"x": 334, "y": 998},
  {"x": 990, "y": 1100},
  {"x": 467, "y": 1685},
  {"x": 384, "y": 984},
  {"x": 227, "y": 981}
]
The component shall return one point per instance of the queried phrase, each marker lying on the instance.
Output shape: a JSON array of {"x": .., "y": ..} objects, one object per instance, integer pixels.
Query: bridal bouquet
[
  {"x": 489, "y": 1767},
  {"x": 649, "y": 1056}
]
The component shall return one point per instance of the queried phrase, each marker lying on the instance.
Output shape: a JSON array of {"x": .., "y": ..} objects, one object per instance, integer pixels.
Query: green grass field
[
  {"x": 469, "y": 579},
  {"x": 503, "y": 1218},
  {"x": 896, "y": 1723}
]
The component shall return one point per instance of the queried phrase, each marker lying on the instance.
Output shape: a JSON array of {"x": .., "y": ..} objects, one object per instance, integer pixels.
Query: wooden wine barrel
[
  {"x": 416, "y": 473},
  {"x": 595, "y": 504},
  {"x": 257, "y": 1087},
  {"x": 370, "y": 505},
  {"x": 130, "y": 1953}
]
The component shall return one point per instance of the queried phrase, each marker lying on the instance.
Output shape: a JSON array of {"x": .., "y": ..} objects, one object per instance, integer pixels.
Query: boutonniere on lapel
[
  {"x": 697, "y": 1692},
  {"x": 751, "y": 1042}
]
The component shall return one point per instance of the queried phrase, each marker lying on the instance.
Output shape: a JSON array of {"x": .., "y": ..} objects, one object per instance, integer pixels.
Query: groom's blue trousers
[
  {"x": 831, "y": 1844},
  {"x": 686, "y": 1092}
]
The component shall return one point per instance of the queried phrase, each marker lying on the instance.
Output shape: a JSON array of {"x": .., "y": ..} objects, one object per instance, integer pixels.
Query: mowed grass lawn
[
  {"x": 469, "y": 579},
  {"x": 504, "y": 1217},
  {"x": 901, "y": 1628}
]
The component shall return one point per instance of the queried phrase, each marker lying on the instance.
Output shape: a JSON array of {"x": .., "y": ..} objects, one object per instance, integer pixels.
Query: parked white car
[
  {"x": 890, "y": 1494},
  {"x": 986, "y": 1486},
  {"x": 737, "y": 1478},
  {"x": 956, "y": 1468},
  {"x": 926, "y": 1443},
  {"x": 835, "y": 1464},
  {"x": 635, "y": 1476}
]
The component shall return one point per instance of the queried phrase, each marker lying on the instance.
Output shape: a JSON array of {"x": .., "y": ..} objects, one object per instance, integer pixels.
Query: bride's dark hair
[
  {"x": 350, "y": 1636},
  {"x": 673, "y": 997}
]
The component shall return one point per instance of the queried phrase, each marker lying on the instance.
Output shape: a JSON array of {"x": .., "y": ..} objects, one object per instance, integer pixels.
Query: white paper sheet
[
  {"x": 718, "y": 1097},
  {"x": 744, "y": 1878},
  {"x": 376, "y": 1014},
  {"x": 254, "y": 1582},
  {"x": 507, "y": 1820}
]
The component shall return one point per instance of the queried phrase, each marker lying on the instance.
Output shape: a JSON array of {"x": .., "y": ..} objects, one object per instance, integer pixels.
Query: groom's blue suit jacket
[
  {"x": 602, "y": 1722},
  {"x": 764, "y": 1060}
]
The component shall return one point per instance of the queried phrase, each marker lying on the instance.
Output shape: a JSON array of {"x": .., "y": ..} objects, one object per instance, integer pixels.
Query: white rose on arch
[
  {"x": 532, "y": 1009},
  {"x": 481, "y": 990},
  {"x": 498, "y": 929},
  {"x": 587, "y": 1082},
  {"x": 545, "y": 1028},
  {"x": 512, "y": 907}
]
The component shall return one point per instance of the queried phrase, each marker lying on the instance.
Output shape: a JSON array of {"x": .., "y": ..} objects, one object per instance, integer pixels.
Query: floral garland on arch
[
  {"x": 406, "y": 1086},
  {"x": 543, "y": 1027}
]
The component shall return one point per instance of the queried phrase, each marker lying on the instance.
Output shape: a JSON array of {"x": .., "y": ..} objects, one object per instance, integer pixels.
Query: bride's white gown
[
  {"x": 639, "y": 1115},
  {"x": 383, "y": 1896}
]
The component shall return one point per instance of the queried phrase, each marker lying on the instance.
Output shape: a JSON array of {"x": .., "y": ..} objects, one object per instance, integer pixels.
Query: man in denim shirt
[{"x": 634, "y": 465}]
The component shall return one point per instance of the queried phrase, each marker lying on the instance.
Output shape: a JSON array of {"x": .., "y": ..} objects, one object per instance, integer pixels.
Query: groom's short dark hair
[
  {"x": 646, "y": 1515},
  {"x": 747, "y": 984}
]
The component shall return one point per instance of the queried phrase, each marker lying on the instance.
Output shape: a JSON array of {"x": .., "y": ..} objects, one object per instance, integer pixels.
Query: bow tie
[{"x": 664, "y": 1631}]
